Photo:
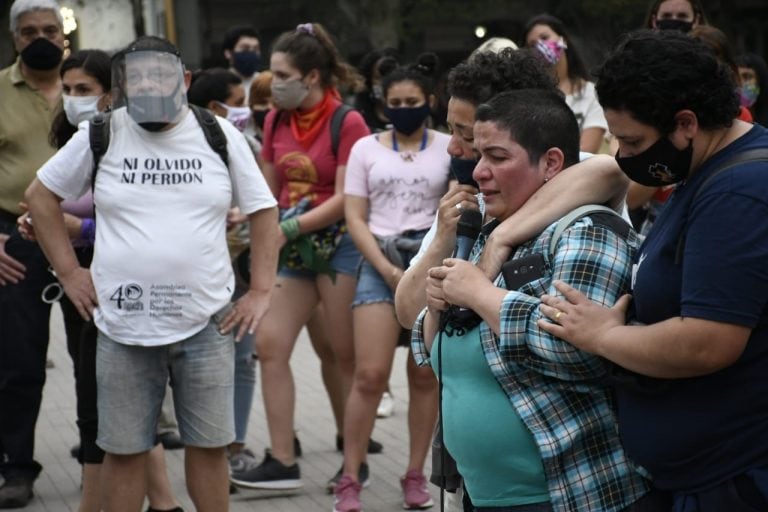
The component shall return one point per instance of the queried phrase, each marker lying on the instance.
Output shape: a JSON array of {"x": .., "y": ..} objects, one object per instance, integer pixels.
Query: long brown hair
[{"x": 310, "y": 47}]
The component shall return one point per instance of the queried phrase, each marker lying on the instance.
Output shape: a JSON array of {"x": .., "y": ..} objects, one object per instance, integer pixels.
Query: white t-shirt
[
  {"x": 403, "y": 189},
  {"x": 161, "y": 267},
  {"x": 587, "y": 109}
]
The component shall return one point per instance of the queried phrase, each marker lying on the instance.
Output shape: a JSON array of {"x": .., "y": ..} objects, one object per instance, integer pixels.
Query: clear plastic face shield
[{"x": 151, "y": 85}]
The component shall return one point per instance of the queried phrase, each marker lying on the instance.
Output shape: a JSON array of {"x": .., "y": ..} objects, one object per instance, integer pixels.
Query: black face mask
[
  {"x": 41, "y": 55},
  {"x": 462, "y": 169},
  {"x": 670, "y": 24},
  {"x": 246, "y": 63},
  {"x": 407, "y": 120},
  {"x": 661, "y": 164}
]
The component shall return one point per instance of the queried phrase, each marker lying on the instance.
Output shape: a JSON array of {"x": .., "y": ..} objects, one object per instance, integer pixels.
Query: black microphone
[{"x": 467, "y": 231}]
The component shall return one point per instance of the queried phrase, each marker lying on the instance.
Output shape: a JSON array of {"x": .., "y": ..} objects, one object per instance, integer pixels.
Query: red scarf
[{"x": 306, "y": 126}]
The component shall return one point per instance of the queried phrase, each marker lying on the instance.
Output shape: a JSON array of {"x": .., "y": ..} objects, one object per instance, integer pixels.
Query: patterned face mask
[{"x": 551, "y": 50}]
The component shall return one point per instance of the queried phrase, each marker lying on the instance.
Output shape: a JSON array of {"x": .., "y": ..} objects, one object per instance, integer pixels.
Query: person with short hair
[
  {"x": 528, "y": 418},
  {"x": 161, "y": 281},
  {"x": 242, "y": 49},
  {"x": 31, "y": 98},
  {"x": 692, "y": 394}
]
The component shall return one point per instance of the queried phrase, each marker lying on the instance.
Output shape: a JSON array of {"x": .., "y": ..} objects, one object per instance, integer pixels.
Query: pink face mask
[{"x": 551, "y": 50}]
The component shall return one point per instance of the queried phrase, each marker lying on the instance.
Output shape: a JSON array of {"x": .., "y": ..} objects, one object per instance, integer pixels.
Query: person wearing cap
[
  {"x": 31, "y": 98},
  {"x": 160, "y": 284}
]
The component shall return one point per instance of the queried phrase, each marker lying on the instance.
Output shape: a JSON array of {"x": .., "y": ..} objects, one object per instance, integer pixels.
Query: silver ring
[
  {"x": 52, "y": 293},
  {"x": 458, "y": 206}
]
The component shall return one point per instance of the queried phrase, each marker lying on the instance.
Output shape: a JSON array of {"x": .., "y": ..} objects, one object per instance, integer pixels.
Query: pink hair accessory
[{"x": 307, "y": 28}]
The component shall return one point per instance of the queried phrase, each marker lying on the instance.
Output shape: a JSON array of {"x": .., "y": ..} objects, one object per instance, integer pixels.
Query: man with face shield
[
  {"x": 160, "y": 284},
  {"x": 30, "y": 92}
]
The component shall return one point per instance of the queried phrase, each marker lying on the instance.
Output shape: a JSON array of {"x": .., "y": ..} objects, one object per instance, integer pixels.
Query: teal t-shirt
[{"x": 495, "y": 452}]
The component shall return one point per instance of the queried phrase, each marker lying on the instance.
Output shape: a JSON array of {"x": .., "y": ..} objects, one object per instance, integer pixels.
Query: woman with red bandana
[{"x": 318, "y": 259}]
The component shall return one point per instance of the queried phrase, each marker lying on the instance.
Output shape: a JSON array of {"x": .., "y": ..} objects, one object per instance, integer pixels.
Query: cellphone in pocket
[{"x": 521, "y": 271}]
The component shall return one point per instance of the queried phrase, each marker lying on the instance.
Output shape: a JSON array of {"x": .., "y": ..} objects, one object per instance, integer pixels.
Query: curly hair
[
  {"x": 486, "y": 74},
  {"x": 654, "y": 75},
  {"x": 422, "y": 73}
]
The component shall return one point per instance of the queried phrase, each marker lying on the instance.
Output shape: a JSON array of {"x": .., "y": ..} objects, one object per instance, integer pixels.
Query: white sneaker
[{"x": 386, "y": 406}]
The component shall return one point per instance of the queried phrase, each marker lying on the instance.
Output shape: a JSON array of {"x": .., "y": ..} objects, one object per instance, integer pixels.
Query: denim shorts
[
  {"x": 371, "y": 287},
  {"x": 131, "y": 383},
  {"x": 345, "y": 260}
]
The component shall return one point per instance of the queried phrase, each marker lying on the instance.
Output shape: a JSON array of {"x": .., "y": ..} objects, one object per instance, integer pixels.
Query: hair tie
[{"x": 306, "y": 28}]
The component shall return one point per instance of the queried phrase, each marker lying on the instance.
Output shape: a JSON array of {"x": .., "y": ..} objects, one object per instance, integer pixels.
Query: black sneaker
[
  {"x": 270, "y": 474},
  {"x": 16, "y": 492},
  {"x": 373, "y": 446},
  {"x": 363, "y": 476}
]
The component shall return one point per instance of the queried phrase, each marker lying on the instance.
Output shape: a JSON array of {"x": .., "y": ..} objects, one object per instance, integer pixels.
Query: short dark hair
[
  {"x": 486, "y": 74},
  {"x": 758, "y": 65},
  {"x": 211, "y": 85},
  {"x": 655, "y": 74},
  {"x": 537, "y": 119},
  {"x": 233, "y": 35},
  {"x": 422, "y": 73}
]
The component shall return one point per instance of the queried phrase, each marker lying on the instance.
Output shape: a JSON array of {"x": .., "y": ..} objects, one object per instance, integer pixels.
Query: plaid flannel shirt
[{"x": 555, "y": 388}]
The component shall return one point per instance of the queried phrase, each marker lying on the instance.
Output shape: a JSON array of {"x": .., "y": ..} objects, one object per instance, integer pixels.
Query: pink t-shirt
[
  {"x": 403, "y": 189},
  {"x": 311, "y": 172}
]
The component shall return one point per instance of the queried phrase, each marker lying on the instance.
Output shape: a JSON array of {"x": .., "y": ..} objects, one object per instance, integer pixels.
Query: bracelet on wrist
[
  {"x": 88, "y": 230},
  {"x": 290, "y": 228}
]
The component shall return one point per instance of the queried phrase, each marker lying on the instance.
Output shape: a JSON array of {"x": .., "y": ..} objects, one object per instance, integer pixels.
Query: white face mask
[
  {"x": 238, "y": 116},
  {"x": 80, "y": 108}
]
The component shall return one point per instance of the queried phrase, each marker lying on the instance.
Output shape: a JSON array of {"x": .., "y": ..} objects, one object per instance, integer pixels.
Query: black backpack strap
[
  {"x": 747, "y": 157},
  {"x": 98, "y": 137},
  {"x": 213, "y": 132},
  {"x": 600, "y": 215},
  {"x": 336, "y": 122}
]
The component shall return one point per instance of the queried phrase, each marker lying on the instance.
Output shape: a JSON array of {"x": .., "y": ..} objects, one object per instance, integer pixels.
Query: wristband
[
  {"x": 290, "y": 228},
  {"x": 88, "y": 231}
]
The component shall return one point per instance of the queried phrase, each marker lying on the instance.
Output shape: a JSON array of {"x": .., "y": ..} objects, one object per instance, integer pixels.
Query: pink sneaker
[
  {"x": 415, "y": 493},
  {"x": 347, "y": 495}
]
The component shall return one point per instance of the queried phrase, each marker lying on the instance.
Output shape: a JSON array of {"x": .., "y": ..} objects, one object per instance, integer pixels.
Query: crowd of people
[{"x": 501, "y": 254}]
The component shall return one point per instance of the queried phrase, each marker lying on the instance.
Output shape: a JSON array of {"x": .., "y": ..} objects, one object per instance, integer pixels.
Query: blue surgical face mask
[
  {"x": 407, "y": 120},
  {"x": 246, "y": 62}
]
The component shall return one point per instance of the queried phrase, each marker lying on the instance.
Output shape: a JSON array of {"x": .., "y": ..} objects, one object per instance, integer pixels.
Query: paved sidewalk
[{"x": 57, "y": 489}]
